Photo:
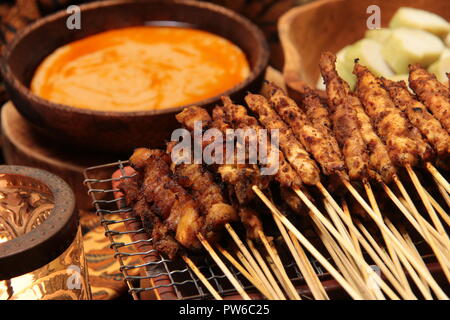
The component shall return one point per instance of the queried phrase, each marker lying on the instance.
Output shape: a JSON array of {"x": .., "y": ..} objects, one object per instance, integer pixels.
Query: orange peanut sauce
[{"x": 140, "y": 68}]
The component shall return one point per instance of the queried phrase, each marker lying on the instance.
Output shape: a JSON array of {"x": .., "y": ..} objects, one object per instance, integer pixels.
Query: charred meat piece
[
  {"x": 380, "y": 164},
  {"x": 431, "y": 92},
  {"x": 345, "y": 123},
  {"x": 294, "y": 151},
  {"x": 173, "y": 205},
  {"x": 315, "y": 141},
  {"x": 200, "y": 183},
  {"x": 390, "y": 123},
  {"x": 240, "y": 119}
]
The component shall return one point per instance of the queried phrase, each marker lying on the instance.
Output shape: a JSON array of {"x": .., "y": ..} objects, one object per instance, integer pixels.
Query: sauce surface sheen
[{"x": 140, "y": 68}]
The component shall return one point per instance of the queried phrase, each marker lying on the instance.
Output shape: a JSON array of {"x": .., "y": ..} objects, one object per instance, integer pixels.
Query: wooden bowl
[
  {"x": 329, "y": 25},
  {"x": 119, "y": 131}
]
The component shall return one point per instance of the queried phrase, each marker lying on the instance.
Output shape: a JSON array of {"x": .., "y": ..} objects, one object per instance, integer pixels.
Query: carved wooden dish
[
  {"x": 120, "y": 131},
  {"x": 329, "y": 25}
]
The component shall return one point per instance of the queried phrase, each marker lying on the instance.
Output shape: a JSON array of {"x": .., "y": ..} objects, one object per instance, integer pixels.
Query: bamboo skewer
[
  {"x": 380, "y": 261},
  {"x": 349, "y": 261},
  {"x": 443, "y": 261},
  {"x": 424, "y": 226},
  {"x": 250, "y": 269},
  {"x": 347, "y": 268},
  {"x": 420, "y": 283},
  {"x": 317, "y": 255},
  {"x": 303, "y": 263},
  {"x": 202, "y": 278},
  {"x": 252, "y": 261},
  {"x": 266, "y": 270},
  {"x": 254, "y": 281},
  {"x": 423, "y": 271},
  {"x": 349, "y": 247},
  {"x": 398, "y": 271},
  {"x": 426, "y": 201},
  {"x": 223, "y": 267},
  {"x": 438, "y": 207},
  {"x": 354, "y": 238},
  {"x": 438, "y": 177},
  {"x": 288, "y": 286}
]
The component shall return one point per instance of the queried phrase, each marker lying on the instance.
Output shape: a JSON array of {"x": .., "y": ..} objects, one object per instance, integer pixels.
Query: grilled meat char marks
[
  {"x": 163, "y": 240},
  {"x": 345, "y": 123},
  {"x": 294, "y": 151},
  {"x": 380, "y": 164},
  {"x": 432, "y": 93},
  {"x": 175, "y": 207},
  {"x": 315, "y": 141},
  {"x": 200, "y": 183},
  {"x": 238, "y": 116},
  {"x": 390, "y": 123},
  {"x": 419, "y": 116}
]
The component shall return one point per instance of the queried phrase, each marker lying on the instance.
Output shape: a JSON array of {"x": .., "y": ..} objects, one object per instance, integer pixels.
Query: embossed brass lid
[{"x": 51, "y": 235}]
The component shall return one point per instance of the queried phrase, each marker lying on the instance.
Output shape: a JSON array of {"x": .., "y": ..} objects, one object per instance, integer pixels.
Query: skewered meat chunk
[
  {"x": 251, "y": 221},
  {"x": 289, "y": 197},
  {"x": 345, "y": 123},
  {"x": 349, "y": 137},
  {"x": 297, "y": 156},
  {"x": 312, "y": 139},
  {"x": 168, "y": 199},
  {"x": 380, "y": 164},
  {"x": 390, "y": 123},
  {"x": 419, "y": 116},
  {"x": 162, "y": 237},
  {"x": 242, "y": 176},
  {"x": 238, "y": 115},
  {"x": 190, "y": 115},
  {"x": 431, "y": 92},
  {"x": 200, "y": 182},
  {"x": 239, "y": 177}
]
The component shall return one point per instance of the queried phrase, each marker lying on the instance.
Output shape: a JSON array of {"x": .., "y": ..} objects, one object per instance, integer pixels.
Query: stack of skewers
[{"x": 334, "y": 157}]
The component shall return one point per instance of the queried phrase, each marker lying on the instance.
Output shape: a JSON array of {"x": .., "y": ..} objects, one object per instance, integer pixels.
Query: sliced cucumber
[
  {"x": 379, "y": 35},
  {"x": 406, "y": 46},
  {"x": 420, "y": 19},
  {"x": 442, "y": 66},
  {"x": 369, "y": 53},
  {"x": 447, "y": 40}
]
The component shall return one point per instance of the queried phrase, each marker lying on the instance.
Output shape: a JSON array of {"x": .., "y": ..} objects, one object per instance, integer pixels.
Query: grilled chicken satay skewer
[
  {"x": 436, "y": 97},
  {"x": 266, "y": 114},
  {"x": 404, "y": 147},
  {"x": 201, "y": 184},
  {"x": 297, "y": 156},
  {"x": 161, "y": 239},
  {"x": 348, "y": 130},
  {"x": 290, "y": 112},
  {"x": 393, "y": 126},
  {"x": 241, "y": 117},
  {"x": 241, "y": 178},
  {"x": 419, "y": 116},
  {"x": 286, "y": 175},
  {"x": 178, "y": 209},
  {"x": 237, "y": 117},
  {"x": 353, "y": 147}
]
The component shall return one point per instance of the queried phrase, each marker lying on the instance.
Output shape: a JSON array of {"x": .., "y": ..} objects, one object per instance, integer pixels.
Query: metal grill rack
[{"x": 169, "y": 279}]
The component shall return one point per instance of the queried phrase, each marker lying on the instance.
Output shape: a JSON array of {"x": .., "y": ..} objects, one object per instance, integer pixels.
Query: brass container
[{"x": 41, "y": 247}]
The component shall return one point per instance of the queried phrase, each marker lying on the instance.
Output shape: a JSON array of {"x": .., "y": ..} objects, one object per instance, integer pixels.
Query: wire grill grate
[{"x": 163, "y": 273}]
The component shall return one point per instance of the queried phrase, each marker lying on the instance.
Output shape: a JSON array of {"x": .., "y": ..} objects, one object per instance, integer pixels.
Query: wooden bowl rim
[
  {"x": 290, "y": 54},
  {"x": 256, "y": 71}
]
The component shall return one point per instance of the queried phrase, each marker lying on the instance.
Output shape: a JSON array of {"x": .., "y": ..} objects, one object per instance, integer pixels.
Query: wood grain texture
[
  {"x": 120, "y": 131},
  {"x": 22, "y": 145},
  {"x": 329, "y": 25}
]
